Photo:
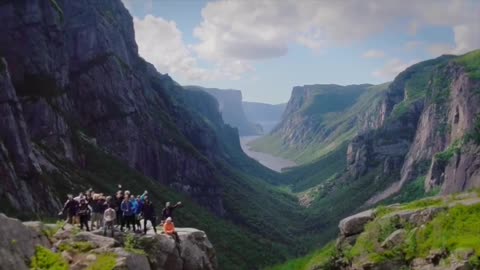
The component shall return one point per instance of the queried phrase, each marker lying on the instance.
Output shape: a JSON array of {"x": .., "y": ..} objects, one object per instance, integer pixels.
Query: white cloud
[
  {"x": 374, "y": 54},
  {"x": 392, "y": 68},
  {"x": 160, "y": 42},
  {"x": 247, "y": 30},
  {"x": 467, "y": 37},
  {"x": 235, "y": 33}
]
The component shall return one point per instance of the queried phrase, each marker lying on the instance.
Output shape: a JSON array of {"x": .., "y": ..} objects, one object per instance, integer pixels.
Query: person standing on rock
[
  {"x": 138, "y": 212},
  {"x": 127, "y": 211},
  {"x": 169, "y": 228},
  {"x": 148, "y": 212},
  {"x": 109, "y": 217},
  {"x": 98, "y": 209},
  {"x": 84, "y": 212},
  {"x": 70, "y": 208},
  {"x": 118, "y": 202},
  {"x": 167, "y": 212},
  {"x": 135, "y": 209}
]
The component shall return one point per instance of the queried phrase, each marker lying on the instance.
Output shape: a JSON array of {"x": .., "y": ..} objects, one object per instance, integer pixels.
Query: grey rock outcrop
[
  {"x": 395, "y": 239},
  {"x": 18, "y": 243},
  {"x": 355, "y": 224},
  {"x": 194, "y": 252}
]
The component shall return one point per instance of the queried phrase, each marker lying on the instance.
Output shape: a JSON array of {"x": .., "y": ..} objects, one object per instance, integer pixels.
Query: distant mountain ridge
[
  {"x": 267, "y": 115},
  {"x": 230, "y": 106}
]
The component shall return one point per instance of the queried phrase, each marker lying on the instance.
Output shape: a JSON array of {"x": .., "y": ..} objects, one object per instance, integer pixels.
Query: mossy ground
[
  {"x": 321, "y": 259},
  {"x": 104, "y": 262},
  {"x": 471, "y": 62}
]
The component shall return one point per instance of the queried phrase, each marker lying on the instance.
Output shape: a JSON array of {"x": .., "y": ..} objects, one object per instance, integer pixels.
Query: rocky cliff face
[
  {"x": 73, "y": 67},
  {"x": 429, "y": 117},
  {"x": 320, "y": 118},
  {"x": 230, "y": 105},
  {"x": 45, "y": 246}
]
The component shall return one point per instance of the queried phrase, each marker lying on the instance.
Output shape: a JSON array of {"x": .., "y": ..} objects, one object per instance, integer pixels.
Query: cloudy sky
[{"x": 265, "y": 47}]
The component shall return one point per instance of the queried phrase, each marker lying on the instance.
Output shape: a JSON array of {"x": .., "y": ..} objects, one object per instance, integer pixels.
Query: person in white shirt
[{"x": 109, "y": 217}]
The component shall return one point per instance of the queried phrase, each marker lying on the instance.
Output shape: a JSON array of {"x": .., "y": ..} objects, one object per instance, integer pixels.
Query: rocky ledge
[
  {"x": 35, "y": 245},
  {"x": 437, "y": 233}
]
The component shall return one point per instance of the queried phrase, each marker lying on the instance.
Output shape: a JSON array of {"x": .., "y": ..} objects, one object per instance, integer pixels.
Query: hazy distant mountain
[
  {"x": 230, "y": 105},
  {"x": 267, "y": 115}
]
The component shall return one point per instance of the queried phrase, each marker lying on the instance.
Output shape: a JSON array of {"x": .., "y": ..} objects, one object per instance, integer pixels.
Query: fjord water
[{"x": 267, "y": 160}]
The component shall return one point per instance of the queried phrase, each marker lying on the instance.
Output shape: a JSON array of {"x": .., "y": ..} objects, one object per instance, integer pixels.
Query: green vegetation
[
  {"x": 131, "y": 245},
  {"x": 104, "y": 262},
  {"x": 46, "y": 259},
  {"x": 321, "y": 259},
  {"x": 414, "y": 190},
  {"x": 439, "y": 92},
  {"x": 49, "y": 232},
  {"x": 471, "y": 62},
  {"x": 415, "y": 80},
  {"x": 326, "y": 168},
  {"x": 475, "y": 135},
  {"x": 425, "y": 203},
  {"x": 57, "y": 9},
  {"x": 369, "y": 242},
  {"x": 450, "y": 152},
  {"x": 458, "y": 228}
]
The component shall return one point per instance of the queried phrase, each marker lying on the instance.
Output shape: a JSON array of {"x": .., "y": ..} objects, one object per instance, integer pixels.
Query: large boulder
[
  {"x": 395, "y": 239},
  {"x": 97, "y": 240},
  {"x": 194, "y": 252},
  {"x": 417, "y": 217},
  {"x": 127, "y": 260},
  {"x": 355, "y": 224},
  {"x": 18, "y": 243}
]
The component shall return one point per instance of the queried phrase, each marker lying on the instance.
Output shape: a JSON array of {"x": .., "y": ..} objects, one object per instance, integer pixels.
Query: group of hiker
[{"x": 119, "y": 211}]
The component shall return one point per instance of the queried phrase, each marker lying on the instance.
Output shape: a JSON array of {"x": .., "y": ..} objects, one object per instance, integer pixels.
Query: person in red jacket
[{"x": 169, "y": 228}]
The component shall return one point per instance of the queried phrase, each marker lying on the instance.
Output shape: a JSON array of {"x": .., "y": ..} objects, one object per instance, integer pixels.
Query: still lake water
[{"x": 267, "y": 160}]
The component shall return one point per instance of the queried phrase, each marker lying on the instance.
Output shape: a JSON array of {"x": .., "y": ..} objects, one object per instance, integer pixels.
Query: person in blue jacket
[{"x": 138, "y": 211}]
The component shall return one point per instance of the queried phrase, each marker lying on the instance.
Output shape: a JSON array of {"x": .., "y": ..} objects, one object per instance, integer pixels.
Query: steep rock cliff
[
  {"x": 434, "y": 121},
  {"x": 75, "y": 67},
  {"x": 230, "y": 105}
]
